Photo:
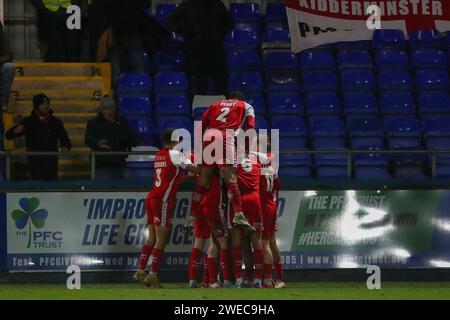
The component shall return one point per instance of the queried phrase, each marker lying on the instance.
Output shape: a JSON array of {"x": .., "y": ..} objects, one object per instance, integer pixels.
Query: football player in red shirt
[
  {"x": 211, "y": 221},
  {"x": 169, "y": 168},
  {"x": 248, "y": 178},
  {"x": 223, "y": 120},
  {"x": 269, "y": 191}
]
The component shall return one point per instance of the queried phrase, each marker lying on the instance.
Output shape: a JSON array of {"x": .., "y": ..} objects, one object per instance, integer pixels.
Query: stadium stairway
[{"x": 74, "y": 90}]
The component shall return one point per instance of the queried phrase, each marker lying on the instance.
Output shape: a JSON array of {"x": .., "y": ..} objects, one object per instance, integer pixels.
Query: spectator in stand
[
  {"x": 109, "y": 132},
  {"x": 205, "y": 24},
  {"x": 42, "y": 132},
  {"x": 98, "y": 22},
  {"x": 7, "y": 70},
  {"x": 62, "y": 44}
]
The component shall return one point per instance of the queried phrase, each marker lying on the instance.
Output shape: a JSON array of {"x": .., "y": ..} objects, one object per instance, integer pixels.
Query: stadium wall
[{"x": 102, "y": 228}]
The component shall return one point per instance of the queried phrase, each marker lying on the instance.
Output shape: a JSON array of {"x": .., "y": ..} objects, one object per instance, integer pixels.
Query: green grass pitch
[{"x": 296, "y": 291}]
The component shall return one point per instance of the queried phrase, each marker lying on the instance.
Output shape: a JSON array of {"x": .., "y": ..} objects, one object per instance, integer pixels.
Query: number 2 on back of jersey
[{"x": 223, "y": 114}]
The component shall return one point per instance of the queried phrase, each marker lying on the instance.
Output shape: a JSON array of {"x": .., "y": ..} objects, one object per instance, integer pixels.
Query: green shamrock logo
[{"x": 29, "y": 212}]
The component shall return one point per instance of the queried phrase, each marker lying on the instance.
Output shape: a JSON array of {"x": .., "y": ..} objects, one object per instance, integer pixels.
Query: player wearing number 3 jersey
[
  {"x": 169, "y": 167},
  {"x": 226, "y": 117}
]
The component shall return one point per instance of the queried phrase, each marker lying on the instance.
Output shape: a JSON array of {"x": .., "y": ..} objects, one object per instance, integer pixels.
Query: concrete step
[
  {"x": 80, "y": 117},
  {"x": 32, "y": 69},
  {"x": 74, "y": 129},
  {"x": 58, "y": 106},
  {"x": 57, "y": 83},
  {"x": 93, "y": 94}
]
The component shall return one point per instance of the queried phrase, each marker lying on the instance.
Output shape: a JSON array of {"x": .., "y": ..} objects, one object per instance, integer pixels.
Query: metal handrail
[{"x": 94, "y": 154}]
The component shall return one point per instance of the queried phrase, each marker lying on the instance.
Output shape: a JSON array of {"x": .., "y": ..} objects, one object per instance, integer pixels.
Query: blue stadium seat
[
  {"x": 243, "y": 59},
  {"x": 177, "y": 122},
  {"x": 322, "y": 103},
  {"x": 331, "y": 165},
  {"x": 326, "y": 127},
  {"x": 295, "y": 160},
  {"x": 434, "y": 103},
  {"x": 280, "y": 59},
  {"x": 163, "y": 10},
  {"x": 245, "y": 12},
  {"x": 144, "y": 128},
  {"x": 253, "y": 27},
  {"x": 169, "y": 60},
  {"x": 140, "y": 167},
  {"x": 290, "y": 126},
  {"x": 171, "y": 81},
  {"x": 276, "y": 34},
  {"x": 354, "y": 59},
  {"x": 388, "y": 38},
  {"x": 175, "y": 104},
  {"x": 282, "y": 80},
  {"x": 295, "y": 171},
  {"x": 371, "y": 165},
  {"x": 285, "y": 103},
  {"x": 319, "y": 80},
  {"x": 357, "y": 79},
  {"x": 275, "y": 12},
  {"x": 425, "y": 39},
  {"x": 429, "y": 58},
  {"x": 447, "y": 40},
  {"x": 366, "y": 131},
  {"x": 135, "y": 83},
  {"x": 243, "y": 38},
  {"x": 359, "y": 103},
  {"x": 395, "y": 80},
  {"x": 372, "y": 172},
  {"x": 401, "y": 171},
  {"x": 397, "y": 102},
  {"x": 353, "y": 45},
  {"x": 256, "y": 99},
  {"x": 316, "y": 59},
  {"x": 391, "y": 58},
  {"x": 292, "y": 144},
  {"x": 428, "y": 79},
  {"x": 134, "y": 105},
  {"x": 245, "y": 81},
  {"x": 436, "y": 126},
  {"x": 437, "y": 137},
  {"x": 403, "y": 133}
]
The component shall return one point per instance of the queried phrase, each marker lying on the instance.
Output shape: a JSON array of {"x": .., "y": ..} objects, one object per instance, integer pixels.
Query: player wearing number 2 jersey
[
  {"x": 226, "y": 117},
  {"x": 169, "y": 167}
]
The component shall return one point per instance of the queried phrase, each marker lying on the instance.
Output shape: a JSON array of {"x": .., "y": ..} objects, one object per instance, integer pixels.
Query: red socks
[
  {"x": 267, "y": 271},
  {"x": 156, "y": 259},
  {"x": 278, "y": 270},
  {"x": 237, "y": 262},
  {"x": 235, "y": 197},
  {"x": 225, "y": 264},
  {"x": 213, "y": 270},
  {"x": 194, "y": 263},
  {"x": 145, "y": 255},
  {"x": 196, "y": 198},
  {"x": 258, "y": 261}
]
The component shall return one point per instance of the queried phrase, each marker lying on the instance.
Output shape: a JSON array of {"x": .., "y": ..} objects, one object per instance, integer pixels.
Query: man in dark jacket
[
  {"x": 109, "y": 132},
  {"x": 42, "y": 132},
  {"x": 205, "y": 24}
]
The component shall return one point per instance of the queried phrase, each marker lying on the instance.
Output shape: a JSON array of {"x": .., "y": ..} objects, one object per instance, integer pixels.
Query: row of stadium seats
[
  {"x": 316, "y": 59},
  {"x": 289, "y": 80},
  {"x": 241, "y": 12},
  {"x": 314, "y": 103}
]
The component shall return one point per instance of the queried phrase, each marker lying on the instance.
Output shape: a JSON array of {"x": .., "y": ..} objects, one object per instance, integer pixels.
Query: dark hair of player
[
  {"x": 236, "y": 95},
  {"x": 166, "y": 137}
]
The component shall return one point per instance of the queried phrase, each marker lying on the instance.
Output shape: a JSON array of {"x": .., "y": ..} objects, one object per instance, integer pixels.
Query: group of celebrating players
[{"x": 234, "y": 205}]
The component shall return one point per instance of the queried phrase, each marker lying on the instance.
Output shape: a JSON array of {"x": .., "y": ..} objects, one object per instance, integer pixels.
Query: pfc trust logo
[
  {"x": 29, "y": 215},
  {"x": 29, "y": 218}
]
